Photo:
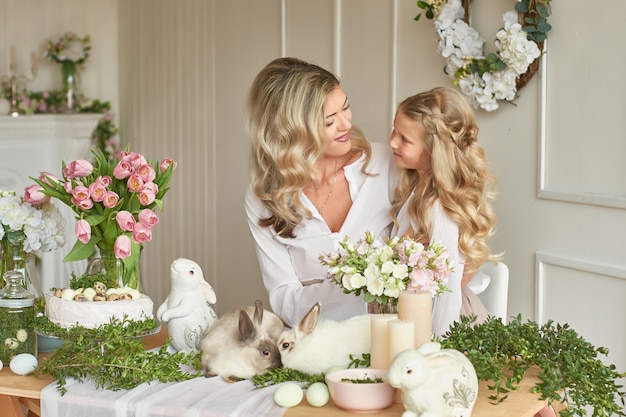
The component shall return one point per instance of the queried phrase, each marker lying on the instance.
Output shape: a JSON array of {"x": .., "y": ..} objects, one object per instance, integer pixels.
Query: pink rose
[
  {"x": 83, "y": 231},
  {"x": 122, "y": 247},
  {"x": 146, "y": 198},
  {"x": 146, "y": 172},
  {"x": 110, "y": 199},
  {"x": 34, "y": 195},
  {"x": 67, "y": 186},
  {"x": 148, "y": 218},
  {"x": 79, "y": 168},
  {"x": 134, "y": 183},
  {"x": 166, "y": 163},
  {"x": 122, "y": 170},
  {"x": 125, "y": 220},
  {"x": 141, "y": 233}
]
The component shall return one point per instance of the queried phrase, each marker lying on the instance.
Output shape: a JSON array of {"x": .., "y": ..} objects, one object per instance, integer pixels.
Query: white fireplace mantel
[{"x": 31, "y": 144}]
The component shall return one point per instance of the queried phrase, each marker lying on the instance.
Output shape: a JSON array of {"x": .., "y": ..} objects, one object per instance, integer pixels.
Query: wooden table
[{"x": 19, "y": 396}]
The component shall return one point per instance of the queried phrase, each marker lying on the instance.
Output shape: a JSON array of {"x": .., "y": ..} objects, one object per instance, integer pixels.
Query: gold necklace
[{"x": 332, "y": 187}]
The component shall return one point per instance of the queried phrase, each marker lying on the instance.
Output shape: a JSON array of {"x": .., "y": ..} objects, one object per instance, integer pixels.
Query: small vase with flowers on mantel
[{"x": 71, "y": 51}]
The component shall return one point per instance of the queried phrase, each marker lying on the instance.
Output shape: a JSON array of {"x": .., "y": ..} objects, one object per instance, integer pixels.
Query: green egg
[{"x": 317, "y": 394}]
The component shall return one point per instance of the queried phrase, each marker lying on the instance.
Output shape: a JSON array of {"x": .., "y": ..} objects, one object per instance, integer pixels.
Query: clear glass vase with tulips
[{"x": 114, "y": 202}]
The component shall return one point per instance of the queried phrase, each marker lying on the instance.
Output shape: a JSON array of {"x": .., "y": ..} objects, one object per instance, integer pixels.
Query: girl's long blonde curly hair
[
  {"x": 285, "y": 120},
  {"x": 459, "y": 176}
]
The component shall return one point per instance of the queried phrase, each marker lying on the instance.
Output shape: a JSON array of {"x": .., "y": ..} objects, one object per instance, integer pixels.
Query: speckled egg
[
  {"x": 23, "y": 364},
  {"x": 288, "y": 395},
  {"x": 21, "y": 335},
  {"x": 11, "y": 343}
]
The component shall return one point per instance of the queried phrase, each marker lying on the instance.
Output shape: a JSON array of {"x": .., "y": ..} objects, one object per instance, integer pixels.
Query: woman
[
  {"x": 314, "y": 178},
  {"x": 444, "y": 192}
]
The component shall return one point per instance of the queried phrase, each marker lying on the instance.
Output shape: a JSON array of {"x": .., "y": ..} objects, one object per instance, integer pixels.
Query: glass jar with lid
[{"x": 17, "y": 312}]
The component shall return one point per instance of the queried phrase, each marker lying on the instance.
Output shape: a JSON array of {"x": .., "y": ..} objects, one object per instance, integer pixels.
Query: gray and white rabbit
[
  {"x": 187, "y": 309},
  {"x": 242, "y": 343},
  {"x": 314, "y": 345}
]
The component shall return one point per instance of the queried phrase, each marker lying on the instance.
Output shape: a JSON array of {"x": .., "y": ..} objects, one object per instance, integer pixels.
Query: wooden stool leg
[{"x": 10, "y": 406}]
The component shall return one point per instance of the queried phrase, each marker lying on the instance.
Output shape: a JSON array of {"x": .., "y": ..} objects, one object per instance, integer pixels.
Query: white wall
[{"x": 185, "y": 68}]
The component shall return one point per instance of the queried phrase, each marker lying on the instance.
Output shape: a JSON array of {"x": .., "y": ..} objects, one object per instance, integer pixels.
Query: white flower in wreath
[{"x": 460, "y": 44}]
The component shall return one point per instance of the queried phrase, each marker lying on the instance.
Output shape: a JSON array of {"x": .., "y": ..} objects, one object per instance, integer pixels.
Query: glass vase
[
  {"x": 390, "y": 307},
  {"x": 17, "y": 313},
  {"x": 69, "y": 74},
  {"x": 14, "y": 258},
  {"x": 119, "y": 272}
]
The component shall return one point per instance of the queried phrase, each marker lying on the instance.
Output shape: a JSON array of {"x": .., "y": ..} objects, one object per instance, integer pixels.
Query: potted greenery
[{"x": 570, "y": 370}]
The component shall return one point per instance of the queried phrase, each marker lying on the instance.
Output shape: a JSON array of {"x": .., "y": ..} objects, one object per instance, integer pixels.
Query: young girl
[{"x": 444, "y": 191}]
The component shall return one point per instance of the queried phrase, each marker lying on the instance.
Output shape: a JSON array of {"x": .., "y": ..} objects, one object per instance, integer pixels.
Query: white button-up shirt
[{"x": 287, "y": 263}]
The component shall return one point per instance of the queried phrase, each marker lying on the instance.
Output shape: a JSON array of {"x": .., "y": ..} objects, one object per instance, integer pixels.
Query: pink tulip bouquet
[{"x": 113, "y": 201}]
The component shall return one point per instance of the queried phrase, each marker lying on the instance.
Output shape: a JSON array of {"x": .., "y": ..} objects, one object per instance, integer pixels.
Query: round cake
[{"x": 91, "y": 314}]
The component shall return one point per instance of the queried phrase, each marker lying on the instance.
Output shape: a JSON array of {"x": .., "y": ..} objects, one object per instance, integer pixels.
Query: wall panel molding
[{"x": 543, "y": 259}]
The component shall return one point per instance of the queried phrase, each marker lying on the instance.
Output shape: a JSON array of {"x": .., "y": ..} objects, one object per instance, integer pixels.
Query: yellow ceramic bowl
[{"x": 349, "y": 392}]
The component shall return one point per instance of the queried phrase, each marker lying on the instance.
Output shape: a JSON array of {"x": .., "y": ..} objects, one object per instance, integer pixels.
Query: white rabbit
[
  {"x": 187, "y": 309},
  {"x": 314, "y": 345},
  {"x": 238, "y": 347},
  {"x": 434, "y": 382}
]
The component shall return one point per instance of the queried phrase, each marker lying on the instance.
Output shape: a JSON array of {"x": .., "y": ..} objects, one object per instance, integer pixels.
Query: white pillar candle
[
  {"x": 379, "y": 354},
  {"x": 401, "y": 337},
  {"x": 417, "y": 306}
]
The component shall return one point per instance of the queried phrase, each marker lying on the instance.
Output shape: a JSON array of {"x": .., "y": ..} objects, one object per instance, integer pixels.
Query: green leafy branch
[
  {"x": 113, "y": 356},
  {"x": 279, "y": 375}
]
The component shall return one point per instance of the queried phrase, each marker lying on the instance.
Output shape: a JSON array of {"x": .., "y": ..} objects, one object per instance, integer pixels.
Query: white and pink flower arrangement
[
  {"x": 31, "y": 225},
  {"x": 114, "y": 202},
  {"x": 382, "y": 270}
]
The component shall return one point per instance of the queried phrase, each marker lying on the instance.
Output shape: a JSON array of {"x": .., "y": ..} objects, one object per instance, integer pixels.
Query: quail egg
[{"x": 21, "y": 335}]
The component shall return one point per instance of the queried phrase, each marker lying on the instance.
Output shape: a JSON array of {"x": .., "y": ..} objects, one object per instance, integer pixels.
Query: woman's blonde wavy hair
[
  {"x": 459, "y": 176},
  {"x": 285, "y": 120}
]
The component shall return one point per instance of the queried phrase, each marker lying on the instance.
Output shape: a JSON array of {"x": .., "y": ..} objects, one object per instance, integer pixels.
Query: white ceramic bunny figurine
[
  {"x": 187, "y": 309},
  {"x": 434, "y": 382}
]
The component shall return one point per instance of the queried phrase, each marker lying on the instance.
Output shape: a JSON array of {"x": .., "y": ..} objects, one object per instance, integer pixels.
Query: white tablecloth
[{"x": 199, "y": 397}]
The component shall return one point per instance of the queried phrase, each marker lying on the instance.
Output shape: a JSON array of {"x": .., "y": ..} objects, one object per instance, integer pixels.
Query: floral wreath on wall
[{"x": 485, "y": 80}]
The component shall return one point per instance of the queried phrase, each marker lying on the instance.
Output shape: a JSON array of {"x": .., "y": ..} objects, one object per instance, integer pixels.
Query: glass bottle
[{"x": 17, "y": 312}]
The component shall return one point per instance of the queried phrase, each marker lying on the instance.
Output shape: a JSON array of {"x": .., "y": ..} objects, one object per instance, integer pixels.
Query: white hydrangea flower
[
  {"x": 41, "y": 227},
  {"x": 515, "y": 49}
]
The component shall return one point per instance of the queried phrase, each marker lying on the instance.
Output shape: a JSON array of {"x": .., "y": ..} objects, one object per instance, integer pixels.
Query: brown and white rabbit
[
  {"x": 314, "y": 345},
  {"x": 242, "y": 343}
]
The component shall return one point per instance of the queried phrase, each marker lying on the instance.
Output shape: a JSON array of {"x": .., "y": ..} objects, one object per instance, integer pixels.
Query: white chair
[{"x": 495, "y": 295}]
